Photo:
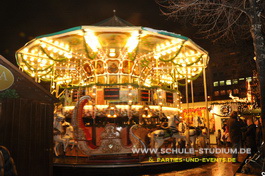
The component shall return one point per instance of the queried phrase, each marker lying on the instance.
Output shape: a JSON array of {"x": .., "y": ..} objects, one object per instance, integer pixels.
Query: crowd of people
[{"x": 239, "y": 133}]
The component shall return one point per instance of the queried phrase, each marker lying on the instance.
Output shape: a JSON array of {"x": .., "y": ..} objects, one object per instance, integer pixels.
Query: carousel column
[
  {"x": 178, "y": 95},
  {"x": 130, "y": 102},
  {"x": 94, "y": 128},
  {"x": 52, "y": 84},
  {"x": 174, "y": 96},
  {"x": 206, "y": 100},
  {"x": 187, "y": 103},
  {"x": 129, "y": 114},
  {"x": 192, "y": 93},
  {"x": 57, "y": 90},
  {"x": 160, "y": 102}
]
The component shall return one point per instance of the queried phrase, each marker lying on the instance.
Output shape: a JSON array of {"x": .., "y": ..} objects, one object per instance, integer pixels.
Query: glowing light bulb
[
  {"x": 92, "y": 41},
  {"x": 132, "y": 41},
  {"x": 43, "y": 45}
]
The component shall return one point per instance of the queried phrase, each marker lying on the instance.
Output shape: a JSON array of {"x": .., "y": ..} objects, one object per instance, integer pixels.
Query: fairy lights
[
  {"x": 113, "y": 56},
  {"x": 92, "y": 41},
  {"x": 133, "y": 41}
]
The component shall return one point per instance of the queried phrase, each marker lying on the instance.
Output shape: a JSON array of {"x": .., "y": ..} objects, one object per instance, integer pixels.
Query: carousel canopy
[{"x": 112, "y": 52}]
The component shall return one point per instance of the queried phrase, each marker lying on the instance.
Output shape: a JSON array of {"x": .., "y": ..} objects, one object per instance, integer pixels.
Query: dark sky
[{"x": 23, "y": 20}]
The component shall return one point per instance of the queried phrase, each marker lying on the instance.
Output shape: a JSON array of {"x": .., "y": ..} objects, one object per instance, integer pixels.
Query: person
[
  {"x": 226, "y": 137},
  {"x": 7, "y": 162},
  {"x": 218, "y": 138},
  {"x": 234, "y": 128},
  {"x": 243, "y": 129},
  {"x": 250, "y": 135},
  {"x": 258, "y": 132}
]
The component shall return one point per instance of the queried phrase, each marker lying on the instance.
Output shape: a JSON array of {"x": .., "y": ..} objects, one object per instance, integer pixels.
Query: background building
[{"x": 229, "y": 70}]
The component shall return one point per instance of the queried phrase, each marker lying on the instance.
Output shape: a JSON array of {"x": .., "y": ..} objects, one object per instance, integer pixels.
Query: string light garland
[{"x": 70, "y": 58}]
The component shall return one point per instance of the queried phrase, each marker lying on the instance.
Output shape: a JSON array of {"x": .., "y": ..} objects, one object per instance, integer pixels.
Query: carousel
[{"x": 109, "y": 78}]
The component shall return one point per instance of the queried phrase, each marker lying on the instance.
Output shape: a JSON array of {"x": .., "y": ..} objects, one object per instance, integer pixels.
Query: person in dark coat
[
  {"x": 251, "y": 136},
  {"x": 243, "y": 129},
  {"x": 234, "y": 128},
  {"x": 7, "y": 164},
  {"x": 218, "y": 138},
  {"x": 258, "y": 132}
]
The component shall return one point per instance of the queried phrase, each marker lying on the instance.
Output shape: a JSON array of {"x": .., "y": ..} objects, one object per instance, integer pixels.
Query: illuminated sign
[
  {"x": 169, "y": 97},
  {"x": 6, "y": 78},
  {"x": 144, "y": 95},
  {"x": 77, "y": 94},
  {"x": 111, "y": 93}
]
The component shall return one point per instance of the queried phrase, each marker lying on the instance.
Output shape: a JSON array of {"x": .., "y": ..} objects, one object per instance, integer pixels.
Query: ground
[
  {"x": 210, "y": 169},
  {"x": 175, "y": 169}
]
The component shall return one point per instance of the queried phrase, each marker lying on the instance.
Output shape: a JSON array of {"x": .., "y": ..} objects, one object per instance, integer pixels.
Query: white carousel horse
[
  {"x": 189, "y": 135},
  {"x": 159, "y": 136},
  {"x": 57, "y": 132},
  {"x": 69, "y": 135},
  {"x": 193, "y": 135}
]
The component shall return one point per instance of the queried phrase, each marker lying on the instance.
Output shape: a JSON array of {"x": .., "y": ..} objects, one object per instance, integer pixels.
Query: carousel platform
[{"x": 123, "y": 165}]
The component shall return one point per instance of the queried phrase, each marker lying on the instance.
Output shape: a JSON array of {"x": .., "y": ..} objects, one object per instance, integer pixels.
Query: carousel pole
[
  {"x": 192, "y": 93},
  {"x": 130, "y": 103},
  {"x": 187, "y": 94},
  {"x": 206, "y": 100},
  {"x": 94, "y": 102},
  {"x": 187, "y": 102},
  {"x": 57, "y": 90},
  {"x": 187, "y": 90}
]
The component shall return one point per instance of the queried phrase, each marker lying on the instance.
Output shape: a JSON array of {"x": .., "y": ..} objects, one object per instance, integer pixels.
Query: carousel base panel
[
  {"x": 96, "y": 159},
  {"x": 122, "y": 165}
]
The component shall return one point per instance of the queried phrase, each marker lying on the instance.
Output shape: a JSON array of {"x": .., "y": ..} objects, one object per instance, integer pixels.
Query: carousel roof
[
  {"x": 113, "y": 21},
  {"x": 112, "y": 53}
]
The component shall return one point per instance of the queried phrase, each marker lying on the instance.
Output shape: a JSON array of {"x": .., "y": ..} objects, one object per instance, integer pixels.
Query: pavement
[
  {"x": 210, "y": 169},
  {"x": 187, "y": 168}
]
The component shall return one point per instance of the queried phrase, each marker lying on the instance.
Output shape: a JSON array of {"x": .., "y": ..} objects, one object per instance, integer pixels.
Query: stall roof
[{"x": 25, "y": 86}]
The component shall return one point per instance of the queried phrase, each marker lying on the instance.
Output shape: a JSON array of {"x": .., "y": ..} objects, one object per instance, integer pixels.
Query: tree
[{"x": 227, "y": 19}]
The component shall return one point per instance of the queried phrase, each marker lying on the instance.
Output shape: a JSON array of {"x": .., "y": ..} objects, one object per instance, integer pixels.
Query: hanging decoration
[
  {"x": 225, "y": 110},
  {"x": 111, "y": 65},
  {"x": 88, "y": 55}
]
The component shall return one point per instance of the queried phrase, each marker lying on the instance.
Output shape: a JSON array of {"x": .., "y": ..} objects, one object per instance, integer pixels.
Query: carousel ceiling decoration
[{"x": 106, "y": 55}]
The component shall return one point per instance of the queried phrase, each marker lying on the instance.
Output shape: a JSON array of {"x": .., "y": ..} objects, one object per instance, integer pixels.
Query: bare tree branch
[
  {"x": 215, "y": 19},
  {"x": 226, "y": 19}
]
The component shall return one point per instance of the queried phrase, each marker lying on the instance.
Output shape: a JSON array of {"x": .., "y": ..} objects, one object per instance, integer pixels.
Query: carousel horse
[
  {"x": 202, "y": 132},
  {"x": 193, "y": 135},
  {"x": 184, "y": 132},
  {"x": 158, "y": 137},
  {"x": 69, "y": 135},
  {"x": 58, "y": 133}
]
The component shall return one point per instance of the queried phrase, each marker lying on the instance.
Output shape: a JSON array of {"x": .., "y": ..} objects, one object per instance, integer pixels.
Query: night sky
[{"x": 23, "y": 20}]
